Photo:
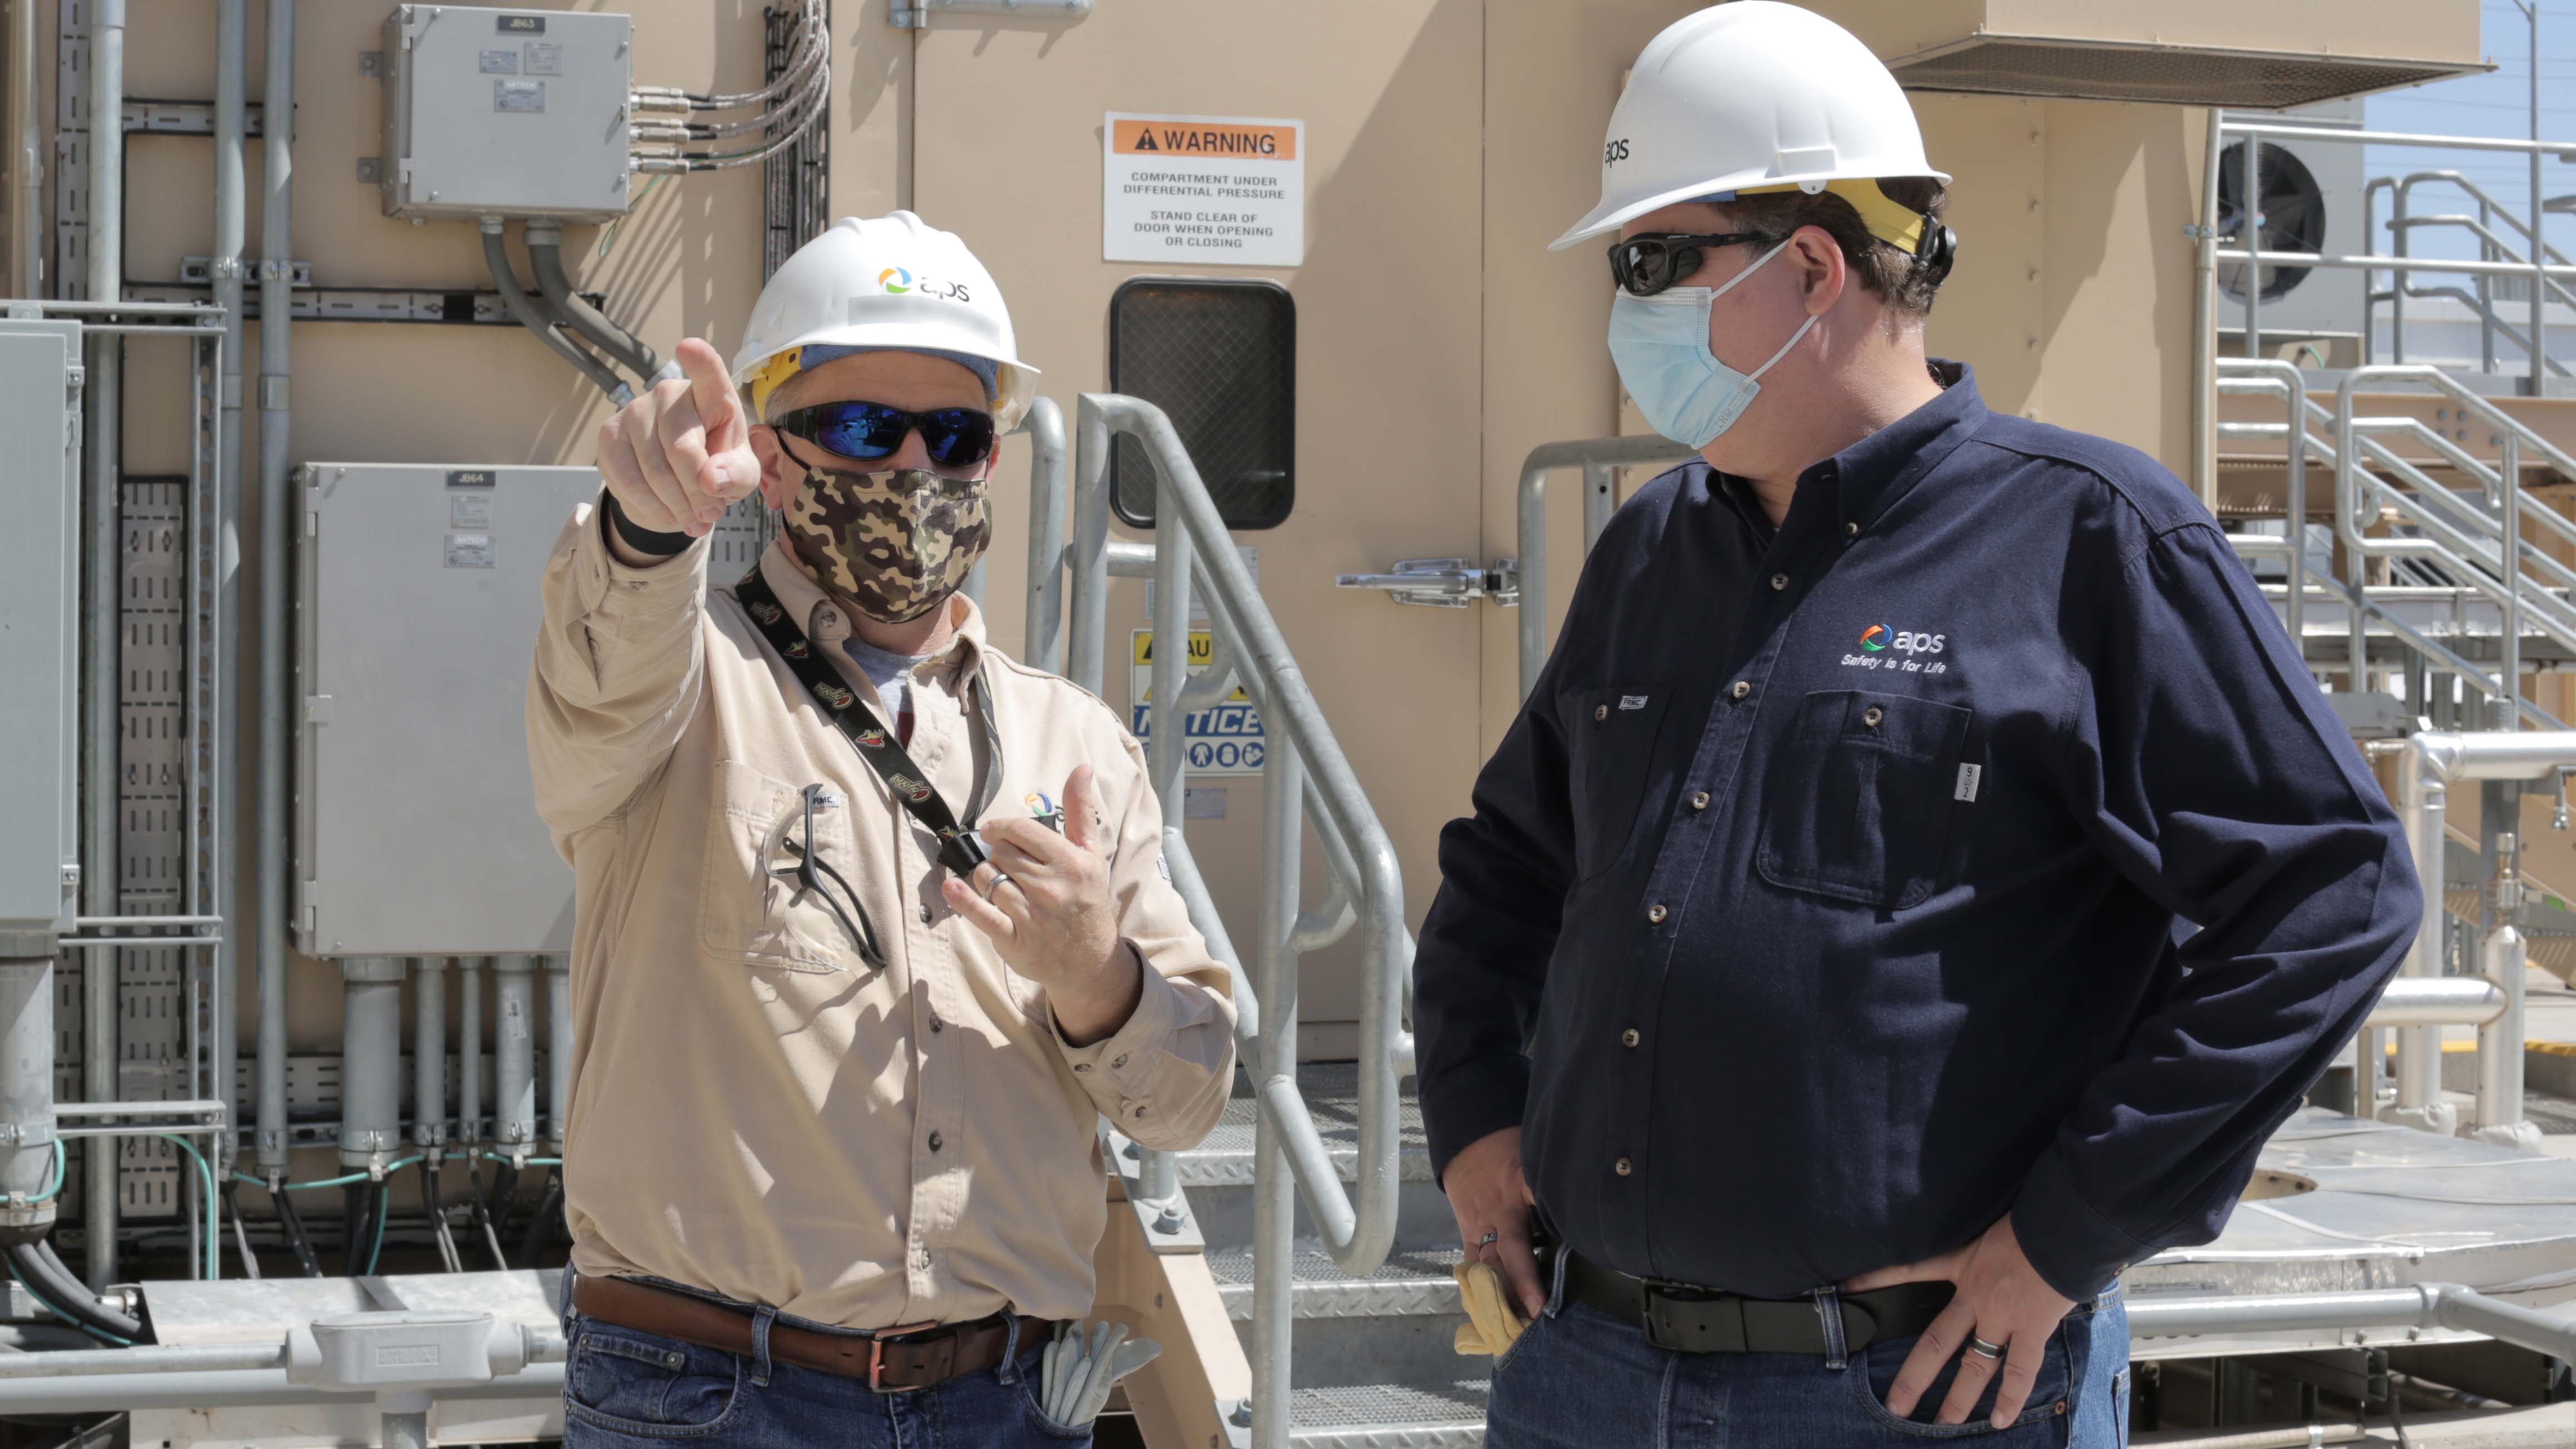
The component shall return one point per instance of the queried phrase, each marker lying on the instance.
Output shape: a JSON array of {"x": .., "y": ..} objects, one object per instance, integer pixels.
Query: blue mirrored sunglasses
[{"x": 866, "y": 431}]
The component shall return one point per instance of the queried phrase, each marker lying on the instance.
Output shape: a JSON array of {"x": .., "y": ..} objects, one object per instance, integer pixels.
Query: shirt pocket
[
  {"x": 1858, "y": 806},
  {"x": 749, "y": 917},
  {"x": 1613, "y": 734}
]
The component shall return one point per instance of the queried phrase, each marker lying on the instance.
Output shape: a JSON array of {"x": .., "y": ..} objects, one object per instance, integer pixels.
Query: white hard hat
[
  {"x": 1750, "y": 96},
  {"x": 887, "y": 281}
]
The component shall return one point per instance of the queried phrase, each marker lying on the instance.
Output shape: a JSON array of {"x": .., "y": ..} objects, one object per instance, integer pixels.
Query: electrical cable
[
  {"x": 589, "y": 321},
  {"x": 46, "y": 1304},
  {"x": 213, "y": 1233},
  {"x": 430, "y": 1198},
  {"x": 483, "y": 1220},
  {"x": 241, "y": 1230},
  {"x": 541, "y": 1227},
  {"x": 526, "y": 314},
  {"x": 808, "y": 34},
  {"x": 384, "y": 1196},
  {"x": 814, "y": 99},
  {"x": 65, "y": 1296},
  {"x": 297, "y": 1239}
]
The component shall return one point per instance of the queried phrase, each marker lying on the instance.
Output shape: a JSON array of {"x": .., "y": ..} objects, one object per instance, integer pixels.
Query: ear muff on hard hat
[{"x": 1933, "y": 245}]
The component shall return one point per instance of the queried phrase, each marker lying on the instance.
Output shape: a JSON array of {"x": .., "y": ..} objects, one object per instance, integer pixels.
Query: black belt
[{"x": 1703, "y": 1320}]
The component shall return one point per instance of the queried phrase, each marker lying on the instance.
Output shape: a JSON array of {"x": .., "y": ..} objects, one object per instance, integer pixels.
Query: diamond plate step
[
  {"x": 1407, "y": 1284},
  {"x": 1390, "y": 1416}
]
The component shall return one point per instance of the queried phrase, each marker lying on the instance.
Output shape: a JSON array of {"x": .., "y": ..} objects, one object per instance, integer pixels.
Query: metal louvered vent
[
  {"x": 1221, "y": 358},
  {"x": 2192, "y": 76}
]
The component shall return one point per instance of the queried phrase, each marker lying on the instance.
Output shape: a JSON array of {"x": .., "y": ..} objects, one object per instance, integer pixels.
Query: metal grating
[
  {"x": 2258, "y": 80},
  {"x": 1390, "y": 1414},
  {"x": 1221, "y": 358}
]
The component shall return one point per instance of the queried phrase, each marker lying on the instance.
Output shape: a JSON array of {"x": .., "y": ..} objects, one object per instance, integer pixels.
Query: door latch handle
[{"x": 1444, "y": 583}]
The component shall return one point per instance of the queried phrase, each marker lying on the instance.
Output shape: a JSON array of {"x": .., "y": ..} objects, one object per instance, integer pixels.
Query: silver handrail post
[
  {"x": 2423, "y": 793},
  {"x": 1087, "y": 653},
  {"x": 1042, "y": 639},
  {"x": 2501, "y": 957},
  {"x": 1599, "y": 458},
  {"x": 1274, "y": 1214},
  {"x": 2509, "y": 498},
  {"x": 2250, "y": 215},
  {"x": 2204, "y": 346}
]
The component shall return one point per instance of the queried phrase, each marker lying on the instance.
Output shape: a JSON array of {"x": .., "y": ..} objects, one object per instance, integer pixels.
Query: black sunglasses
[
  {"x": 1650, "y": 263},
  {"x": 954, "y": 437}
]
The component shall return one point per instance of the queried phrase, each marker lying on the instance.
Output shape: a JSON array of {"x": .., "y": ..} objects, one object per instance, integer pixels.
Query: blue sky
[{"x": 2494, "y": 104}]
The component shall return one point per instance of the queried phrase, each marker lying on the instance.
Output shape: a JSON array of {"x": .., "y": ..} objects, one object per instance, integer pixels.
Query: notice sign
[
  {"x": 1226, "y": 739},
  {"x": 1203, "y": 189}
]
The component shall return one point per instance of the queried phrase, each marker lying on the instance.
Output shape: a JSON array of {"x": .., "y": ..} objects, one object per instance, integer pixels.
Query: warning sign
[
  {"x": 1203, "y": 189},
  {"x": 1225, "y": 739}
]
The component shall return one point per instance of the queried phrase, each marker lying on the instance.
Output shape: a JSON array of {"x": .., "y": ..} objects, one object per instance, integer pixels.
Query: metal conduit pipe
[
  {"x": 270, "y": 899},
  {"x": 545, "y": 252},
  {"x": 370, "y": 1060},
  {"x": 1274, "y": 1215},
  {"x": 26, "y": 1093},
  {"x": 1545, "y": 459},
  {"x": 2501, "y": 958},
  {"x": 103, "y": 550},
  {"x": 496, "y": 257},
  {"x": 2422, "y": 1305},
  {"x": 232, "y": 81},
  {"x": 514, "y": 1108},
  {"x": 429, "y": 1055},
  {"x": 469, "y": 1051},
  {"x": 1087, "y": 654},
  {"x": 26, "y": 161},
  {"x": 558, "y": 1048},
  {"x": 2438, "y": 1001},
  {"x": 1042, "y": 641},
  {"x": 261, "y": 1388}
]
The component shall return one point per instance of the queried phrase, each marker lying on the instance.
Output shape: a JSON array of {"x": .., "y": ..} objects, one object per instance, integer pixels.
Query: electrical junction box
[
  {"x": 417, "y": 615},
  {"x": 506, "y": 112},
  {"x": 40, "y": 378}
]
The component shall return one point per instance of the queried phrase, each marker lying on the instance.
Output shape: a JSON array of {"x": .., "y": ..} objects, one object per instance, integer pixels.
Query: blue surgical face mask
[{"x": 1660, "y": 345}]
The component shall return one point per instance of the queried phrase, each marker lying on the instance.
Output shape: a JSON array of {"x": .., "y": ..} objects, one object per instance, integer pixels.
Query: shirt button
[
  {"x": 1142, "y": 1111},
  {"x": 1623, "y": 1167},
  {"x": 1657, "y": 914},
  {"x": 1600, "y": 711},
  {"x": 1628, "y": 1037},
  {"x": 1082, "y": 1066},
  {"x": 1742, "y": 688},
  {"x": 1779, "y": 581},
  {"x": 1117, "y": 1062},
  {"x": 1872, "y": 715},
  {"x": 934, "y": 1142},
  {"x": 925, "y": 915},
  {"x": 1699, "y": 799},
  {"x": 1851, "y": 530}
]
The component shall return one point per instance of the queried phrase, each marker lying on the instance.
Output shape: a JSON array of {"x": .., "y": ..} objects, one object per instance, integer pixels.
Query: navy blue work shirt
[{"x": 1821, "y": 906}]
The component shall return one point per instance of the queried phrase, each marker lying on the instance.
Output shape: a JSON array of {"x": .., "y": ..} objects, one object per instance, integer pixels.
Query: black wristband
[{"x": 639, "y": 538}]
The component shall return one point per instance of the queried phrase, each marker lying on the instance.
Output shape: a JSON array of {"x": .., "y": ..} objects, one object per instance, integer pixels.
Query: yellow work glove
[{"x": 1493, "y": 1320}]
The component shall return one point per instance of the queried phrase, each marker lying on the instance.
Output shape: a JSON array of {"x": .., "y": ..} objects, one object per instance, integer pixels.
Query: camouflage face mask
[{"x": 895, "y": 544}]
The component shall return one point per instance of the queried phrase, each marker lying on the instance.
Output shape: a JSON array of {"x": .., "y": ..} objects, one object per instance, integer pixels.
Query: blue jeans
[
  {"x": 1579, "y": 1379},
  {"x": 625, "y": 1389}
]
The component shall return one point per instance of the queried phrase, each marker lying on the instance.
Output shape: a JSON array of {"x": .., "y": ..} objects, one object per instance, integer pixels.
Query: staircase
[{"x": 1374, "y": 1368}]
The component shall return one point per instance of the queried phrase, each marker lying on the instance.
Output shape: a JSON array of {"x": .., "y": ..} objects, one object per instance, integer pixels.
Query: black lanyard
[{"x": 960, "y": 849}]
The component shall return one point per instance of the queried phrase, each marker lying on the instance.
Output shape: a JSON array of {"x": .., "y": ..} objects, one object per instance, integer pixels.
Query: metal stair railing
[
  {"x": 2482, "y": 301},
  {"x": 1600, "y": 459},
  {"x": 1305, "y": 777}
]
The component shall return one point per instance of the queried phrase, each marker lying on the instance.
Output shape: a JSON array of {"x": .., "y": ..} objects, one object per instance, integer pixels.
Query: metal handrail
[
  {"x": 1303, "y": 761},
  {"x": 1597, "y": 456}
]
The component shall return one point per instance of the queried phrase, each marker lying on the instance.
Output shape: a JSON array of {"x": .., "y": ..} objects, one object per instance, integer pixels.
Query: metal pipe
[
  {"x": 232, "y": 81},
  {"x": 2537, "y": 383},
  {"x": 270, "y": 895},
  {"x": 1600, "y": 500},
  {"x": 2499, "y": 1102},
  {"x": 142, "y": 1359},
  {"x": 1042, "y": 641},
  {"x": 545, "y": 255},
  {"x": 27, "y": 161},
  {"x": 103, "y": 551},
  {"x": 1089, "y": 648},
  {"x": 2349, "y": 261},
  {"x": 469, "y": 1050},
  {"x": 1544, "y": 459},
  {"x": 260, "y": 1388},
  {"x": 2416, "y": 1001},
  {"x": 559, "y": 1046},
  {"x": 429, "y": 1054},
  {"x": 2564, "y": 150},
  {"x": 2422, "y": 800},
  {"x": 1274, "y": 1205},
  {"x": 2249, "y": 217},
  {"x": 2509, "y": 499},
  {"x": 370, "y": 1060},
  {"x": 2204, "y": 349},
  {"x": 496, "y": 258},
  {"x": 27, "y": 1088},
  {"x": 514, "y": 1106}
]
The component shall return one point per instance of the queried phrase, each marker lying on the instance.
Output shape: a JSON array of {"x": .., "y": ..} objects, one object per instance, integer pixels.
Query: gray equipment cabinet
[
  {"x": 40, "y": 381},
  {"x": 417, "y": 614},
  {"x": 506, "y": 113}
]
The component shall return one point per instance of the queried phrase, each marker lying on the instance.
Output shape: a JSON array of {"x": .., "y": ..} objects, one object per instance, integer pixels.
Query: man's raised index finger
[{"x": 711, "y": 388}]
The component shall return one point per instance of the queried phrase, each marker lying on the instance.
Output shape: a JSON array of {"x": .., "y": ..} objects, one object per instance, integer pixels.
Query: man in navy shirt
[{"x": 1923, "y": 874}]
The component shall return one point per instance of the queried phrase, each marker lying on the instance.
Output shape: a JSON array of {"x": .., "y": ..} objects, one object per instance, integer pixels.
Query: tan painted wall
[{"x": 1448, "y": 142}]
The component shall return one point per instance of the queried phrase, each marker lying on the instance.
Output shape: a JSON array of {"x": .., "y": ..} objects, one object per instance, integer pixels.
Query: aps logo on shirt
[{"x": 1878, "y": 639}]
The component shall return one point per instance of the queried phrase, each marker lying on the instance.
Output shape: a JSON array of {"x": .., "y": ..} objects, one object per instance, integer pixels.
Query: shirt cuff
[
  {"x": 1465, "y": 1105},
  {"x": 2075, "y": 1250},
  {"x": 1121, "y": 1065},
  {"x": 608, "y": 584}
]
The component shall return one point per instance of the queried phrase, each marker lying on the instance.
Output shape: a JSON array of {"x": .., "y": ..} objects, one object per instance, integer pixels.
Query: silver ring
[
  {"x": 995, "y": 884},
  {"x": 1489, "y": 1239},
  {"x": 1983, "y": 1349}
]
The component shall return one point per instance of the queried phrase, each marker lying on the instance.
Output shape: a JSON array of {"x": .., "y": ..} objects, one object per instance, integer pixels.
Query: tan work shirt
[{"x": 754, "y": 1111}]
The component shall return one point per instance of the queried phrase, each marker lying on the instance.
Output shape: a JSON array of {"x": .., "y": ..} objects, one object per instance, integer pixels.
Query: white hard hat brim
[
  {"x": 1014, "y": 384},
  {"x": 1609, "y": 216}
]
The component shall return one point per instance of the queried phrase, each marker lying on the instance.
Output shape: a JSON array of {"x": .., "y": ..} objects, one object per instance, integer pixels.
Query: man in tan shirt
[{"x": 831, "y": 1164}]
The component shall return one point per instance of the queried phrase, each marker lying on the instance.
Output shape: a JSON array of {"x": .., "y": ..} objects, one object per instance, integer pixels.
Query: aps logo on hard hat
[{"x": 897, "y": 281}]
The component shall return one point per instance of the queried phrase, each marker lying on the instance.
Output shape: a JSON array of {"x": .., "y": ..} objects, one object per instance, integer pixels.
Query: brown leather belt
[{"x": 891, "y": 1360}]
